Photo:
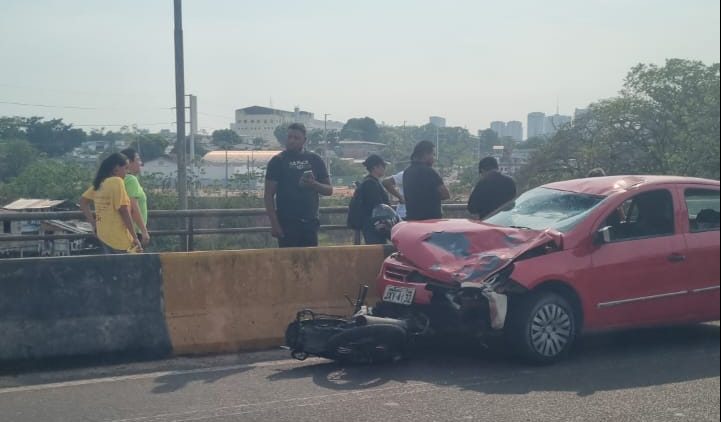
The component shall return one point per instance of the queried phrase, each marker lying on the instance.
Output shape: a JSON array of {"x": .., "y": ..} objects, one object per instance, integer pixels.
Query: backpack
[
  {"x": 356, "y": 214},
  {"x": 356, "y": 219}
]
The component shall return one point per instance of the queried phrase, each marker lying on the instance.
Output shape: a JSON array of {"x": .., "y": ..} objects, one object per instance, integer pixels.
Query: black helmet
[{"x": 383, "y": 219}]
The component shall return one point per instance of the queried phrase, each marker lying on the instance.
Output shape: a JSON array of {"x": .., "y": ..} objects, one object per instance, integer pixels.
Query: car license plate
[{"x": 399, "y": 295}]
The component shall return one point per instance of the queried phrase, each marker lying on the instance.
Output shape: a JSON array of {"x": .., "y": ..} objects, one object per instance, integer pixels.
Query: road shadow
[
  {"x": 602, "y": 362},
  {"x": 177, "y": 381}
]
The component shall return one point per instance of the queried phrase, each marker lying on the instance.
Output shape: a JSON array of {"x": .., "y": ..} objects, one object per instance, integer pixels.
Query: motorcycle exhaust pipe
[{"x": 371, "y": 320}]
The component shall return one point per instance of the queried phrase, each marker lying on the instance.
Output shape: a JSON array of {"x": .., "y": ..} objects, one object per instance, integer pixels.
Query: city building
[
  {"x": 535, "y": 124},
  {"x": 260, "y": 122},
  {"x": 499, "y": 127},
  {"x": 514, "y": 130},
  {"x": 555, "y": 122},
  {"x": 437, "y": 121}
]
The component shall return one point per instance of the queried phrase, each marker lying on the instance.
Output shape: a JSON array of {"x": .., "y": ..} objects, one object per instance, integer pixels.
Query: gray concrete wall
[{"x": 73, "y": 306}]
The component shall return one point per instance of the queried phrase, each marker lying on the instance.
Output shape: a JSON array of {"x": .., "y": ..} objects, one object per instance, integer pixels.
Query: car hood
[{"x": 460, "y": 250}]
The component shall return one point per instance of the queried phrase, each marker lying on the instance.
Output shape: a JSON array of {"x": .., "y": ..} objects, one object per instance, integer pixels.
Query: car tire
[{"x": 541, "y": 327}]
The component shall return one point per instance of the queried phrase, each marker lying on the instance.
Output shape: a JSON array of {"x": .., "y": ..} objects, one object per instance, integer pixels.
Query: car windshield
[{"x": 543, "y": 208}]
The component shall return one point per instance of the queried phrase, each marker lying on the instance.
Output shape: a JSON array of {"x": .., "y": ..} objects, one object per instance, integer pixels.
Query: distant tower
[
  {"x": 499, "y": 127},
  {"x": 514, "y": 130},
  {"x": 535, "y": 124},
  {"x": 437, "y": 121}
]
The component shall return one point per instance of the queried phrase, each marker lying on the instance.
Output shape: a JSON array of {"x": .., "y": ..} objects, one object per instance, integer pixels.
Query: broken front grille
[{"x": 396, "y": 273}]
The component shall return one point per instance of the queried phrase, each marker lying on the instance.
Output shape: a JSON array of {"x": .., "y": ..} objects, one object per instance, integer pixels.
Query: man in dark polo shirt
[
  {"x": 423, "y": 188},
  {"x": 293, "y": 181},
  {"x": 492, "y": 190}
]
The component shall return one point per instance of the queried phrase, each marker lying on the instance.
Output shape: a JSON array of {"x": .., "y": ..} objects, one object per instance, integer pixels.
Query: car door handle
[{"x": 676, "y": 257}]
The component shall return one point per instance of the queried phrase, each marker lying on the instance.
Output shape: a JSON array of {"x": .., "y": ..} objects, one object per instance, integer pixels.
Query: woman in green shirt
[{"x": 138, "y": 199}]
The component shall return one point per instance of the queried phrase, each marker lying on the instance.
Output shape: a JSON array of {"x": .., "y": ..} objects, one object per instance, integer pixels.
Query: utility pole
[
  {"x": 193, "y": 129},
  {"x": 327, "y": 145},
  {"x": 180, "y": 107},
  {"x": 193, "y": 133},
  {"x": 438, "y": 147}
]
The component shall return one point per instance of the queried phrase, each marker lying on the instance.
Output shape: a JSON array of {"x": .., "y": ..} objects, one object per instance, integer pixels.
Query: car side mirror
[{"x": 603, "y": 235}]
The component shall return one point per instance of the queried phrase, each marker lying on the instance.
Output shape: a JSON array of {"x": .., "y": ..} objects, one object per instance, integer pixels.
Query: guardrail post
[{"x": 190, "y": 235}]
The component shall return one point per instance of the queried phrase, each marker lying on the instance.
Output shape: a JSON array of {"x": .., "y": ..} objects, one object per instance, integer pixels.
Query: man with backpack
[{"x": 369, "y": 194}]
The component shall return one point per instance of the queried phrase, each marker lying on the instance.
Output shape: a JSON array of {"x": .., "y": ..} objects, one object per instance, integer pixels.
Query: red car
[{"x": 565, "y": 258}]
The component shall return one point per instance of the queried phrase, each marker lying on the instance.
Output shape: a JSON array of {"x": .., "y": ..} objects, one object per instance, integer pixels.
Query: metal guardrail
[{"x": 190, "y": 217}]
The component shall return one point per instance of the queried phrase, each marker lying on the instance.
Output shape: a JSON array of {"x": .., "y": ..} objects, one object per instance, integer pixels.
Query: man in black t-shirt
[
  {"x": 492, "y": 190},
  {"x": 293, "y": 181},
  {"x": 423, "y": 188}
]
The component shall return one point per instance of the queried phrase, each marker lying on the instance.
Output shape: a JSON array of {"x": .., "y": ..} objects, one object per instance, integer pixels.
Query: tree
[
  {"x": 225, "y": 138},
  {"x": 316, "y": 138},
  {"x": 361, "y": 129},
  {"x": 48, "y": 178},
  {"x": 665, "y": 121},
  {"x": 150, "y": 146},
  {"x": 345, "y": 168},
  {"x": 487, "y": 139},
  {"x": 281, "y": 133},
  {"x": 15, "y": 156},
  {"x": 259, "y": 143},
  {"x": 12, "y": 127},
  {"x": 52, "y": 137}
]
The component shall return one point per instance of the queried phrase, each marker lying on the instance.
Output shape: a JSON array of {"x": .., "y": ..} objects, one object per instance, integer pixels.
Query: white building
[
  {"x": 212, "y": 167},
  {"x": 261, "y": 122}
]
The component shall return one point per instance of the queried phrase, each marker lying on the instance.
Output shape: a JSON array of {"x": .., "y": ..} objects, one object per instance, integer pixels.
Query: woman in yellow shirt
[{"x": 112, "y": 223}]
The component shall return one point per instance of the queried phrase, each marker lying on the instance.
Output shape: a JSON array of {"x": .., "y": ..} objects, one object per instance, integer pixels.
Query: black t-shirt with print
[
  {"x": 294, "y": 203},
  {"x": 420, "y": 188}
]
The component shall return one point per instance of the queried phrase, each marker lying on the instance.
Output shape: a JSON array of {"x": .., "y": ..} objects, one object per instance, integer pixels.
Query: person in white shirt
[{"x": 394, "y": 186}]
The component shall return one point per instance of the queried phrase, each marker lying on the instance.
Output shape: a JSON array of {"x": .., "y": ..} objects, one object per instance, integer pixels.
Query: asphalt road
[{"x": 667, "y": 374}]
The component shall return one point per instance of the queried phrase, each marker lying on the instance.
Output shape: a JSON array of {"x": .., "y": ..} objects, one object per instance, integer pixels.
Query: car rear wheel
[{"x": 542, "y": 327}]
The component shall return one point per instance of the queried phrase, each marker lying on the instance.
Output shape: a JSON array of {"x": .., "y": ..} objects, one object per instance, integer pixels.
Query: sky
[{"x": 102, "y": 63}]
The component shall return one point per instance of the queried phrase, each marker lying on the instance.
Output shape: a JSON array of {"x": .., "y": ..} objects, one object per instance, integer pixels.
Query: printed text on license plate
[{"x": 400, "y": 295}]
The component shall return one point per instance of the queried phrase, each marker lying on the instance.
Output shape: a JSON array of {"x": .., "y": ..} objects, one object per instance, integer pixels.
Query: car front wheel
[{"x": 542, "y": 327}]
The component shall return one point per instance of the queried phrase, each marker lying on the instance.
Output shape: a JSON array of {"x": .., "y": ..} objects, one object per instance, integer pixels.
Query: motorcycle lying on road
[{"x": 361, "y": 338}]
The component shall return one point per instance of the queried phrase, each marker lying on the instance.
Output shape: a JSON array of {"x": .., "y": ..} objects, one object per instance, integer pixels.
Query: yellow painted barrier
[{"x": 226, "y": 301}]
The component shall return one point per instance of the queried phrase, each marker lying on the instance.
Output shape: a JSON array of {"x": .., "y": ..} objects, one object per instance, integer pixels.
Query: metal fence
[{"x": 189, "y": 226}]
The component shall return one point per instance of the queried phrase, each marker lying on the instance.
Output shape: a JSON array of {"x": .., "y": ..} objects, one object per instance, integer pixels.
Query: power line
[
  {"x": 125, "y": 124},
  {"x": 213, "y": 115},
  {"x": 74, "y": 107},
  {"x": 47, "y": 106}
]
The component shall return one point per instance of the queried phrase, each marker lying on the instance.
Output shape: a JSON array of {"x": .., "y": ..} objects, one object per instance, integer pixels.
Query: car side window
[
  {"x": 703, "y": 209},
  {"x": 648, "y": 214}
]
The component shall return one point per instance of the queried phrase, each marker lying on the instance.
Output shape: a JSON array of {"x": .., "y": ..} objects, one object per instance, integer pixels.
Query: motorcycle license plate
[{"x": 399, "y": 295}]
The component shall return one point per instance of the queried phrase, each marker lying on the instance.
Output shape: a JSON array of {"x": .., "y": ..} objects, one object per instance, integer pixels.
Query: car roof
[{"x": 605, "y": 186}]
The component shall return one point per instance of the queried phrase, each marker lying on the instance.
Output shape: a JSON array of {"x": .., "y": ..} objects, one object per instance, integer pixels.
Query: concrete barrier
[
  {"x": 243, "y": 300},
  {"x": 75, "y": 306},
  {"x": 179, "y": 303}
]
